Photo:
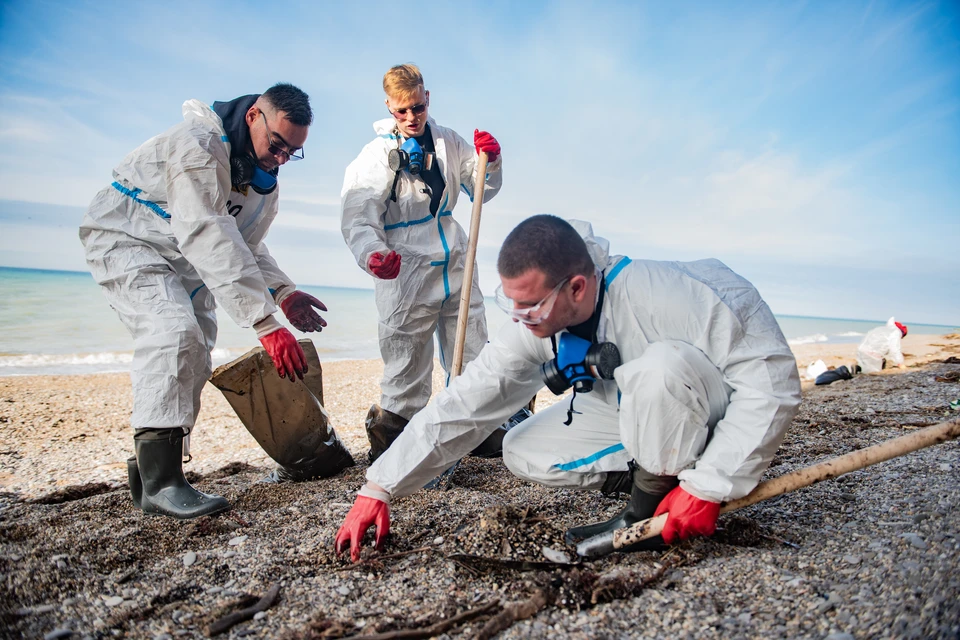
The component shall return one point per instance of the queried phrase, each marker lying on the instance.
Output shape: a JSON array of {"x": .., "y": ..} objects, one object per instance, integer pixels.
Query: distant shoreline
[
  {"x": 907, "y": 321},
  {"x": 921, "y": 347}
]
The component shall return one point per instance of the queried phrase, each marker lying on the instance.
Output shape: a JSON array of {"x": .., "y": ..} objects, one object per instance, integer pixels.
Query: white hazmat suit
[
  {"x": 165, "y": 241},
  {"x": 881, "y": 343},
  {"x": 425, "y": 297},
  {"x": 706, "y": 392}
]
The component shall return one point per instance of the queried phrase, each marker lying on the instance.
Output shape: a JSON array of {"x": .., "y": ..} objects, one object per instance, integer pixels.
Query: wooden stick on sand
[{"x": 609, "y": 542}]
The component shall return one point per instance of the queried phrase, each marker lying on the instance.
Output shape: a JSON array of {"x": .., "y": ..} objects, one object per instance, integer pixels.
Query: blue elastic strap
[
  {"x": 568, "y": 466},
  {"x": 195, "y": 291},
  {"x": 616, "y": 270},
  {"x": 132, "y": 194},
  {"x": 405, "y": 223},
  {"x": 446, "y": 250}
]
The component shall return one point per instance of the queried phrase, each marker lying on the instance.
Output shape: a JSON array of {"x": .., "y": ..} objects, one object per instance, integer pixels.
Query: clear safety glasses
[
  {"x": 529, "y": 315},
  {"x": 292, "y": 155}
]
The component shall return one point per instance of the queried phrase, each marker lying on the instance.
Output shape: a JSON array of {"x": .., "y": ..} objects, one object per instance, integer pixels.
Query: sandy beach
[{"x": 875, "y": 554}]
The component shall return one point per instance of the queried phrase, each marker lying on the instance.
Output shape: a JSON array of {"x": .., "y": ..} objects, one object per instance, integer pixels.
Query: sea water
[{"x": 59, "y": 322}]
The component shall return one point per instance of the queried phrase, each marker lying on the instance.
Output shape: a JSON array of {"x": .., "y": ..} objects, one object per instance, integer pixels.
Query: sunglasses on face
[
  {"x": 416, "y": 109},
  {"x": 295, "y": 154}
]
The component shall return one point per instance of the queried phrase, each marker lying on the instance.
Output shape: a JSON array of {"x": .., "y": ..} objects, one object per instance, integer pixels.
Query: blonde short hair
[{"x": 402, "y": 80}]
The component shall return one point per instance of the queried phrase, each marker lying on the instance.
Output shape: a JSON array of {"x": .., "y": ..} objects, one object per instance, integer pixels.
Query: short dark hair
[
  {"x": 293, "y": 102},
  {"x": 546, "y": 243}
]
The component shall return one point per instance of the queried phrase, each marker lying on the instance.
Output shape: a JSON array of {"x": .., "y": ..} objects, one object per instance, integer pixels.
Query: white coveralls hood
[
  {"x": 707, "y": 390},
  {"x": 424, "y": 298},
  {"x": 167, "y": 241}
]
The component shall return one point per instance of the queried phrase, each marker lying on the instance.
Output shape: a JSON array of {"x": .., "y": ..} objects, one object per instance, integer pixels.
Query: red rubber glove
[
  {"x": 365, "y": 513},
  {"x": 286, "y": 354},
  {"x": 687, "y": 516},
  {"x": 298, "y": 307},
  {"x": 483, "y": 141},
  {"x": 385, "y": 268}
]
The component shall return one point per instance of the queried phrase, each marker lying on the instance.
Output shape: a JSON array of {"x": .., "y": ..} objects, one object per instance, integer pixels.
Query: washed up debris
[
  {"x": 76, "y": 492},
  {"x": 325, "y": 628},
  {"x": 482, "y": 563},
  {"x": 515, "y": 612},
  {"x": 509, "y": 533},
  {"x": 231, "y": 619}
]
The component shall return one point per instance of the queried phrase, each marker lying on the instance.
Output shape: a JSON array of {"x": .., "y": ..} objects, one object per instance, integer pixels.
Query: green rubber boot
[{"x": 164, "y": 490}]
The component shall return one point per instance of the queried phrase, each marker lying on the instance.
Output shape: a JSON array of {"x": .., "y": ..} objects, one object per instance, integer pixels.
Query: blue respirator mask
[
  {"x": 244, "y": 171},
  {"x": 579, "y": 363},
  {"x": 410, "y": 156}
]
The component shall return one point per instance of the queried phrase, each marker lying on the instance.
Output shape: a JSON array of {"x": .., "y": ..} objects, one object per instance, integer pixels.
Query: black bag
[{"x": 840, "y": 373}]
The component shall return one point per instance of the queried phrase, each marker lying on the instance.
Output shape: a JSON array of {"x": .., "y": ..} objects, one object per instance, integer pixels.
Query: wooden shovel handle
[
  {"x": 809, "y": 475},
  {"x": 467, "y": 286}
]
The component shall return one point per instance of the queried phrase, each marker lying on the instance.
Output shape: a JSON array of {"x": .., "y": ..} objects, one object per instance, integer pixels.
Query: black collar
[
  {"x": 588, "y": 330},
  {"x": 233, "y": 114}
]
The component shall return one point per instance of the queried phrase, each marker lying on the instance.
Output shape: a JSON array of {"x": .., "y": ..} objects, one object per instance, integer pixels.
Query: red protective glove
[
  {"x": 687, "y": 516},
  {"x": 483, "y": 141},
  {"x": 365, "y": 513},
  {"x": 298, "y": 307},
  {"x": 286, "y": 354},
  {"x": 384, "y": 268}
]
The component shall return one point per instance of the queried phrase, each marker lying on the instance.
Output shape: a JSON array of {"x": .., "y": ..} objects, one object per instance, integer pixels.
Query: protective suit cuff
[
  {"x": 702, "y": 495},
  {"x": 267, "y": 326},
  {"x": 282, "y": 293},
  {"x": 367, "y": 492}
]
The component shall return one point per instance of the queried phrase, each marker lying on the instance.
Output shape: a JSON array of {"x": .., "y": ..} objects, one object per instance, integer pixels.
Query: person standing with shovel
[{"x": 397, "y": 219}]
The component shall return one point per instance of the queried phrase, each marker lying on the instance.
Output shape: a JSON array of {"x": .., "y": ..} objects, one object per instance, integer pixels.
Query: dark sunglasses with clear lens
[{"x": 417, "y": 109}]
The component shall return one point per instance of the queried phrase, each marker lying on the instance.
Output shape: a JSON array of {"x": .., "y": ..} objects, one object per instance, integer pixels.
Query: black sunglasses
[
  {"x": 417, "y": 109},
  {"x": 275, "y": 150}
]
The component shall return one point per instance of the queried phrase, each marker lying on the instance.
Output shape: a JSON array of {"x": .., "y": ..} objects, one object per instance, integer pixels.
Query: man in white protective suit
[
  {"x": 705, "y": 392},
  {"x": 397, "y": 218},
  {"x": 180, "y": 230},
  {"x": 881, "y": 346}
]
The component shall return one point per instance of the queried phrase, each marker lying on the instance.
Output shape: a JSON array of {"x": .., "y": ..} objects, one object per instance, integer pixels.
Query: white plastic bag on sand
[{"x": 814, "y": 370}]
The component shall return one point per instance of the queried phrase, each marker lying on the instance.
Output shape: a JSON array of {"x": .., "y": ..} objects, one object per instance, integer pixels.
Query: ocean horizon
[{"x": 59, "y": 323}]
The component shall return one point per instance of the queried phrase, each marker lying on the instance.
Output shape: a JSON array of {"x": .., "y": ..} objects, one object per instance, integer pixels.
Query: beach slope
[{"x": 874, "y": 554}]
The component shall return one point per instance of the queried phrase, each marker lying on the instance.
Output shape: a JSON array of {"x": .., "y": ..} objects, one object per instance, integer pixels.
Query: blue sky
[{"x": 815, "y": 148}]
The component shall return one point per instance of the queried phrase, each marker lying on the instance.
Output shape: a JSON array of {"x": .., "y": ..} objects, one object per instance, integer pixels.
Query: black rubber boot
[
  {"x": 646, "y": 492},
  {"x": 133, "y": 478},
  {"x": 383, "y": 427},
  {"x": 164, "y": 489},
  {"x": 618, "y": 482}
]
